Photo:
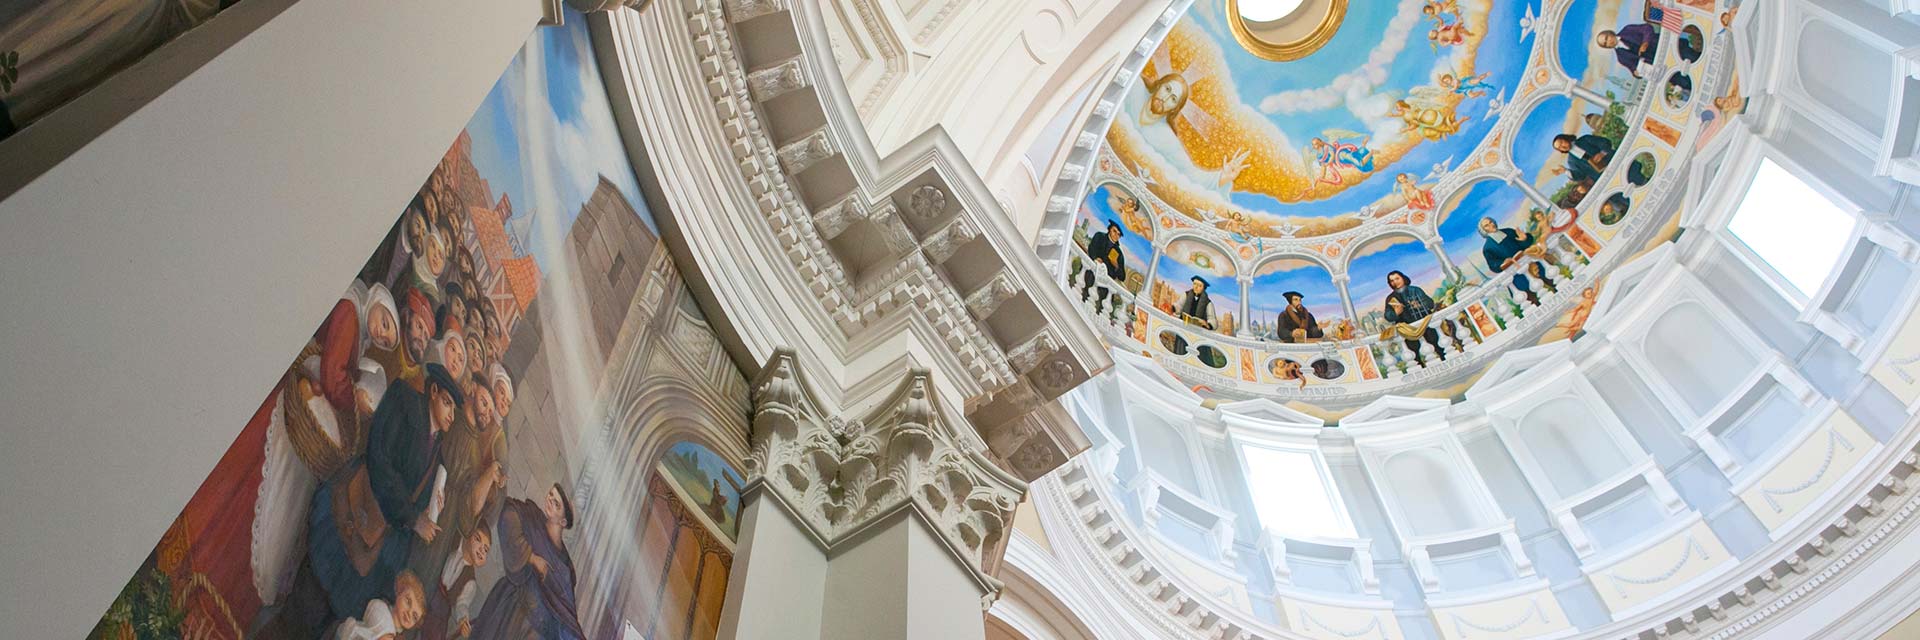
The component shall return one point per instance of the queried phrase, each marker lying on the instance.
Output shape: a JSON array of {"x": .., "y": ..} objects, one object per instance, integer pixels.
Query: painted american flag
[{"x": 1666, "y": 15}]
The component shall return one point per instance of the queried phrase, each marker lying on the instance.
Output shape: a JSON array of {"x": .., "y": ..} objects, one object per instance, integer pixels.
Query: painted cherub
[
  {"x": 1472, "y": 86},
  {"x": 1431, "y": 122},
  {"x": 1576, "y": 319},
  {"x": 1448, "y": 35},
  {"x": 1418, "y": 198},
  {"x": 1437, "y": 10}
]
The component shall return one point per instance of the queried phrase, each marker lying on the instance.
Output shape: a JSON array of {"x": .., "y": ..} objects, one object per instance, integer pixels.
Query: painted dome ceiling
[{"x": 1416, "y": 137}]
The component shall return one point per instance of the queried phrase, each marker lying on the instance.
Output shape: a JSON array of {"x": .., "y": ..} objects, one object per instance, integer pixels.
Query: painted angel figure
[
  {"x": 1471, "y": 86},
  {"x": 1332, "y": 152},
  {"x": 1433, "y": 120},
  {"x": 1418, "y": 198},
  {"x": 1438, "y": 10},
  {"x": 1448, "y": 35}
]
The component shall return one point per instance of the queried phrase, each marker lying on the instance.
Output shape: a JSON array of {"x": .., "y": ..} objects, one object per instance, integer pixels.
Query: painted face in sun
[{"x": 1170, "y": 93}]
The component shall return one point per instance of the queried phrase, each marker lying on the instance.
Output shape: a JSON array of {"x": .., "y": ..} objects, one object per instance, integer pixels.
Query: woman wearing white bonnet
[
  {"x": 502, "y": 391},
  {"x": 376, "y": 330},
  {"x": 287, "y": 481}
]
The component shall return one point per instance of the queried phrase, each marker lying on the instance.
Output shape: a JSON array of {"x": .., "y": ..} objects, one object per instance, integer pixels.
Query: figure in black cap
[
  {"x": 1297, "y": 324},
  {"x": 1197, "y": 307},
  {"x": 1105, "y": 250}
]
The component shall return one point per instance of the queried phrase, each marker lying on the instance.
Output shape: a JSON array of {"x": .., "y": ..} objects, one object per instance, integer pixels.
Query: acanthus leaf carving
[
  {"x": 949, "y": 239},
  {"x": 800, "y": 154},
  {"x": 838, "y": 474},
  {"x": 986, "y": 299},
  {"x": 772, "y": 82}
]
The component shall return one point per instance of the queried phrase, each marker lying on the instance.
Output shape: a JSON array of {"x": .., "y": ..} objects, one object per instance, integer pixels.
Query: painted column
[
  {"x": 1242, "y": 326},
  {"x": 1346, "y": 299},
  {"x": 1588, "y": 95},
  {"x": 1533, "y": 193},
  {"x": 1153, "y": 267},
  {"x": 828, "y": 553},
  {"x": 1446, "y": 264}
]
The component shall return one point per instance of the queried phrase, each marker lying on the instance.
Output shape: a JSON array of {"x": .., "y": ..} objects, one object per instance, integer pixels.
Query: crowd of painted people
[{"x": 388, "y": 455}]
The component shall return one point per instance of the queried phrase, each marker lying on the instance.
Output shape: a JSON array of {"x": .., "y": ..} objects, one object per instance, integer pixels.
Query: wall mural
[
  {"x": 1436, "y": 175},
  {"x": 436, "y": 462},
  {"x": 51, "y": 51}
]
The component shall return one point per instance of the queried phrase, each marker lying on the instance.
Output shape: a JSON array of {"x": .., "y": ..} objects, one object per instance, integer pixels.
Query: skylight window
[
  {"x": 1292, "y": 495},
  {"x": 1797, "y": 231},
  {"x": 1268, "y": 10}
]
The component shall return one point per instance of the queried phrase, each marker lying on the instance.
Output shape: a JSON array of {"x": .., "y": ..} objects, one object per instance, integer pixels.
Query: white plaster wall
[{"x": 157, "y": 280}]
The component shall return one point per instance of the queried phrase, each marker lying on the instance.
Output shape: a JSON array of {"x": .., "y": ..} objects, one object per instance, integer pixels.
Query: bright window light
[
  {"x": 1799, "y": 232},
  {"x": 1267, "y": 10},
  {"x": 1290, "y": 495}
]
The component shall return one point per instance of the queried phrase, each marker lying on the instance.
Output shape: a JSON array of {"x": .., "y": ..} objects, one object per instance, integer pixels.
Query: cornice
[
  {"x": 1099, "y": 547},
  {"x": 803, "y": 236}
]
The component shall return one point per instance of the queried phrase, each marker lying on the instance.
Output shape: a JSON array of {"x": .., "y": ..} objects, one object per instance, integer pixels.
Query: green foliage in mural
[{"x": 145, "y": 609}]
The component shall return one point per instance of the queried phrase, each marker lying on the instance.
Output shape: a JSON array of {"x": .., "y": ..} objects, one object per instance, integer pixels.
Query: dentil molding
[{"x": 803, "y": 236}]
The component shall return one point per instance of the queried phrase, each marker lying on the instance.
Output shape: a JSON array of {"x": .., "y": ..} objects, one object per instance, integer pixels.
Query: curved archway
[
  {"x": 1163, "y": 450},
  {"x": 1696, "y": 356},
  {"x": 1369, "y": 265},
  {"x": 1429, "y": 495},
  {"x": 1570, "y": 447},
  {"x": 1277, "y": 276}
]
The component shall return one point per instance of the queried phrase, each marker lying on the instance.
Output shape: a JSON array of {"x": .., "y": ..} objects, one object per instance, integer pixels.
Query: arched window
[
  {"x": 1293, "y": 493},
  {"x": 1797, "y": 233}
]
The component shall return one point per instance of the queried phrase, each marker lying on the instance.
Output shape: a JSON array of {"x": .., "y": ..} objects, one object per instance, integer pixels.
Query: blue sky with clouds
[{"x": 551, "y": 100}]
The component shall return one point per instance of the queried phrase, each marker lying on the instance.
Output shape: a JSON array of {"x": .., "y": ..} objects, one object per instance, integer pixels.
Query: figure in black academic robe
[
  {"x": 1589, "y": 156},
  {"x": 1638, "y": 43},
  {"x": 1504, "y": 245},
  {"x": 1105, "y": 251},
  {"x": 402, "y": 453},
  {"x": 1198, "y": 306},
  {"x": 1413, "y": 305},
  {"x": 528, "y": 603},
  {"x": 1298, "y": 319}
]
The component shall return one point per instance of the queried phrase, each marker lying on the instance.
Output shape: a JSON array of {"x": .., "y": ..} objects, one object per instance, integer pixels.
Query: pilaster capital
[{"x": 837, "y": 474}]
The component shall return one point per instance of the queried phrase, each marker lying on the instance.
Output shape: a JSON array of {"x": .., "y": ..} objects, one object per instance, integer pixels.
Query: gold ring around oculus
[{"x": 1292, "y": 37}]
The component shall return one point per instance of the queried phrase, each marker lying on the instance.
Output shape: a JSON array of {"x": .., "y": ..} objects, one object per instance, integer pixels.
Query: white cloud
[{"x": 1358, "y": 82}]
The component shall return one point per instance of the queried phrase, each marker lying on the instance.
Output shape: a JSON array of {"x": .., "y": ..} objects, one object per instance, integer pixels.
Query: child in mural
[
  {"x": 450, "y": 601},
  {"x": 383, "y": 622},
  {"x": 1469, "y": 86}
]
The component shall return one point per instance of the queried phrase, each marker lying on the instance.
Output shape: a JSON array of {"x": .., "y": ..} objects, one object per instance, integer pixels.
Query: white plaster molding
[
  {"x": 802, "y": 235},
  {"x": 838, "y": 475}
]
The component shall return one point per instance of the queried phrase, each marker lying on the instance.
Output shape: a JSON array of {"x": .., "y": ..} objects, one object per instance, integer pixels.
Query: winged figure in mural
[
  {"x": 1467, "y": 84},
  {"x": 1429, "y": 112},
  {"x": 1332, "y": 152}
]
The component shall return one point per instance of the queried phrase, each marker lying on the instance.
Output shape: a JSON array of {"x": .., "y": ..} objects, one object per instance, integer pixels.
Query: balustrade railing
[{"x": 1490, "y": 307}]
